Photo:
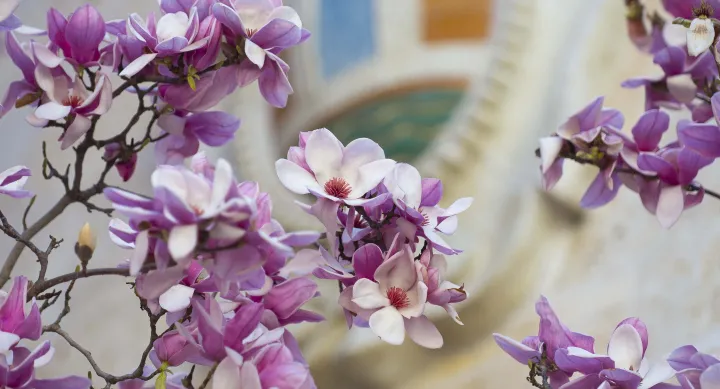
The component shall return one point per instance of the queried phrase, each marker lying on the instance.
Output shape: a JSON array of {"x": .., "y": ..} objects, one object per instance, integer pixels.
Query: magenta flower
[
  {"x": 646, "y": 134},
  {"x": 342, "y": 174},
  {"x": 126, "y": 160},
  {"x": 13, "y": 180},
  {"x": 17, "y": 322},
  {"x": 397, "y": 298},
  {"x": 624, "y": 366},
  {"x": 210, "y": 89},
  {"x": 19, "y": 373},
  {"x": 552, "y": 337},
  {"x": 171, "y": 349},
  {"x": 284, "y": 302},
  {"x": 419, "y": 199},
  {"x": 593, "y": 134},
  {"x": 272, "y": 367},
  {"x": 187, "y": 131},
  {"x": 703, "y": 138},
  {"x": 264, "y": 28},
  {"x": 440, "y": 291},
  {"x": 78, "y": 37},
  {"x": 74, "y": 103},
  {"x": 675, "y": 87},
  {"x": 173, "y": 34}
]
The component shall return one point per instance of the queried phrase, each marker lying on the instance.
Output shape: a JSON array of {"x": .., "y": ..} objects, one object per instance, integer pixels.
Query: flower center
[
  {"x": 250, "y": 32},
  {"x": 398, "y": 297},
  {"x": 359, "y": 222},
  {"x": 338, "y": 187},
  {"x": 72, "y": 101},
  {"x": 426, "y": 219}
]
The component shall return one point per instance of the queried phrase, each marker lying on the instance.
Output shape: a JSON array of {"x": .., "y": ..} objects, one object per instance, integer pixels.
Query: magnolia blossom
[
  {"x": 19, "y": 372},
  {"x": 78, "y": 37},
  {"x": 264, "y": 28},
  {"x": 17, "y": 319},
  {"x": 73, "y": 102},
  {"x": 624, "y": 366},
  {"x": 174, "y": 33},
  {"x": 552, "y": 337},
  {"x": 212, "y": 128},
  {"x": 13, "y": 180},
  {"x": 338, "y": 173},
  {"x": 419, "y": 199},
  {"x": 433, "y": 268},
  {"x": 398, "y": 298}
]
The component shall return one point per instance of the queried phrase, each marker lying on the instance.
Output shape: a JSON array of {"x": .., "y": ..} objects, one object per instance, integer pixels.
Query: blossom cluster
[
  {"x": 557, "y": 354},
  {"x": 663, "y": 174}
]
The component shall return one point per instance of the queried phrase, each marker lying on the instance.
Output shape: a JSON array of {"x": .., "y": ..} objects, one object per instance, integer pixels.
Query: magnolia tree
[
  {"x": 206, "y": 259},
  {"x": 663, "y": 175}
]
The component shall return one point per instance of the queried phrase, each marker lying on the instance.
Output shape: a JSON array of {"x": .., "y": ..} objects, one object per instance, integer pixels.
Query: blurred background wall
[{"x": 462, "y": 89}]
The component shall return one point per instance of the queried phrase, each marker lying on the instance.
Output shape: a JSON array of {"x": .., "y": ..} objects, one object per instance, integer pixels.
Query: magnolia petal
[
  {"x": 137, "y": 65},
  {"x": 549, "y": 150},
  {"x": 176, "y": 298},
  {"x": 182, "y": 240},
  {"x": 662, "y": 372},
  {"x": 52, "y": 111},
  {"x": 710, "y": 378},
  {"x": 367, "y": 295},
  {"x": 460, "y": 205},
  {"x": 389, "y": 325},
  {"x": 626, "y": 348},
  {"x": 295, "y": 178},
  {"x": 518, "y": 351},
  {"x": 255, "y": 53},
  {"x": 370, "y": 175},
  {"x": 700, "y": 36},
  {"x": 423, "y": 332},
  {"x": 80, "y": 125},
  {"x": 324, "y": 154},
  {"x": 227, "y": 375},
  {"x": 140, "y": 253},
  {"x": 670, "y": 205},
  {"x": 7, "y": 341}
]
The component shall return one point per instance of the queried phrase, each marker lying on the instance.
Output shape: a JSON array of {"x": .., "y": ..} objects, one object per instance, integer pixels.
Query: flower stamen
[
  {"x": 338, "y": 187},
  {"x": 398, "y": 297}
]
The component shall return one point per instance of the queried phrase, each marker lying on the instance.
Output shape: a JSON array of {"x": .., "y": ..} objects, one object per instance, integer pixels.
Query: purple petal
[
  {"x": 689, "y": 164},
  {"x": 649, "y": 129},
  {"x": 213, "y": 128},
  {"x": 286, "y": 298},
  {"x": 56, "y": 28},
  {"x": 20, "y": 58},
  {"x": 366, "y": 260},
  {"x": 671, "y": 59},
  {"x": 671, "y": 203},
  {"x": 554, "y": 334},
  {"x": 84, "y": 33},
  {"x": 229, "y": 18},
  {"x": 591, "y": 381},
  {"x": 274, "y": 84},
  {"x": 171, "y": 46},
  {"x": 246, "y": 319},
  {"x": 432, "y": 191},
  {"x": 679, "y": 359},
  {"x": 278, "y": 33},
  {"x": 598, "y": 194},
  {"x": 72, "y": 382},
  {"x": 665, "y": 170},
  {"x": 589, "y": 116},
  {"x": 516, "y": 350},
  {"x": 575, "y": 359},
  {"x": 703, "y": 138},
  {"x": 622, "y": 378}
]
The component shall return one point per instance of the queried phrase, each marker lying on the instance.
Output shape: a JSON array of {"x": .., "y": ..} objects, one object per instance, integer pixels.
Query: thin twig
[
  {"x": 209, "y": 376},
  {"x": 40, "y": 287},
  {"x": 27, "y": 211}
]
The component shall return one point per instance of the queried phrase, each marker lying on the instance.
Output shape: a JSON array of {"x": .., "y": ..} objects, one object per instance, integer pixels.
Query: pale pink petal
[
  {"x": 367, "y": 295},
  {"x": 324, "y": 154},
  {"x": 137, "y": 65},
  {"x": 7, "y": 341},
  {"x": 227, "y": 375},
  {"x": 370, "y": 175},
  {"x": 304, "y": 263},
  {"x": 254, "y": 53},
  {"x": 389, "y": 325},
  {"x": 710, "y": 378},
  {"x": 448, "y": 226},
  {"x": 182, "y": 240},
  {"x": 405, "y": 183},
  {"x": 357, "y": 153},
  {"x": 176, "y": 298},
  {"x": 670, "y": 205},
  {"x": 423, "y": 332},
  {"x": 658, "y": 373},
  {"x": 77, "y": 129},
  {"x": 295, "y": 178},
  {"x": 52, "y": 111},
  {"x": 249, "y": 378},
  {"x": 221, "y": 184},
  {"x": 549, "y": 150},
  {"x": 418, "y": 297},
  {"x": 140, "y": 253},
  {"x": 460, "y": 205},
  {"x": 45, "y": 56},
  {"x": 625, "y": 348}
]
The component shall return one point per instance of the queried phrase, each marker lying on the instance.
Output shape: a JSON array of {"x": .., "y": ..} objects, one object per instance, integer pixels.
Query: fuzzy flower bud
[{"x": 85, "y": 245}]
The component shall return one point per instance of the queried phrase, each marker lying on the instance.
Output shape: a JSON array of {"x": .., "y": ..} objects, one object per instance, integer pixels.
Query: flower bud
[{"x": 85, "y": 245}]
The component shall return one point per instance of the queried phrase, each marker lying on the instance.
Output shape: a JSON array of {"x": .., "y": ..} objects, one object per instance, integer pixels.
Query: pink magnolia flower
[
  {"x": 624, "y": 366},
  {"x": 78, "y": 37},
  {"x": 264, "y": 28},
  {"x": 695, "y": 369},
  {"x": 342, "y": 174},
  {"x": 13, "y": 180},
  {"x": 187, "y": 131},
  {"x": 73, "y": 102},
  {"x": 17, "y": 320},
  {"x": 172, "y": 34},
  {"x": 433, "y": 268},
  {"x": 273, "y": 367},
  {"x": 419, "y": 199},
  {"x": 397, "y": 299},
  {"x": 19, "y": 372},
  {"x": 552, "y": 337},
  {"x": 210, "y": 89}
]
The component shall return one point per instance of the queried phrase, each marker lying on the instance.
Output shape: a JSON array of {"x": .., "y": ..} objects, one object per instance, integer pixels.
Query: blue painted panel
[{"x": 347, "y": 34}]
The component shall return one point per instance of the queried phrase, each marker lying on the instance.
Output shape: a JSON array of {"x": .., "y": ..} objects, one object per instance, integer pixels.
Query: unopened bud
[{"x": 85, "y": 245}]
